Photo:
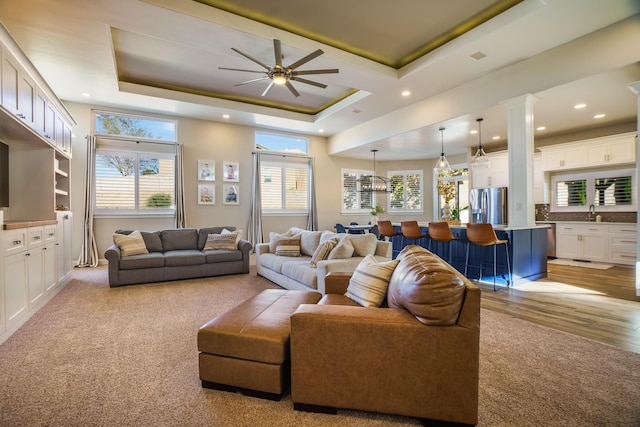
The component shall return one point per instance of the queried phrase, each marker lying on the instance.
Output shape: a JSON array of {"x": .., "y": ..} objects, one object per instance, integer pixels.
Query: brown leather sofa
[{"x": 418, "y": 357}]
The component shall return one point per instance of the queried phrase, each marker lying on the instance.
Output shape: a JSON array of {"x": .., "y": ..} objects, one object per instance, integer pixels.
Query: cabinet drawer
[
  {"x": 627, "y": 242},
  {"x": 622, "y": 257},
  {"x": 15, "y": 240},
  {"x": 50, "y": 233},
  {"x": 627, "y": 230},
  {"x": 35, "y": 236}
]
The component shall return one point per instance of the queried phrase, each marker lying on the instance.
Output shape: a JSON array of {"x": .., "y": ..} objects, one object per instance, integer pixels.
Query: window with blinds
[
  {"x": 611, "y": 190},
  {"x": 284, "y": 187},
  {"x": 406, "y": 191},
  {"x": 353, "y": 200}
]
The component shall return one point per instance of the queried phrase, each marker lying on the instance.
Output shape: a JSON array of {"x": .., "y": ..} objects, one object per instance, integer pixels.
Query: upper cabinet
[
  {"x": 496, "y": 175},
  {"x": 597, "y": 152}
]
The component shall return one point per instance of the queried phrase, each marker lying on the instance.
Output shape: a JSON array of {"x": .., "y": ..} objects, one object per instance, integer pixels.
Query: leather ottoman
[{"x": 246, "y": 349}]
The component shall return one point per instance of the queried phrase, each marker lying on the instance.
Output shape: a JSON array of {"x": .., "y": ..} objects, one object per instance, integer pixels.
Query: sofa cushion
[
  {"x": 183, "y": 257},
  {"x": 426, "y": 286},
  {"x": 152, "y": 240},
  {"x": 204, "y": 232},
  {"x": 364, "y": 244},
  {"x": 271, "y": 261},
  {"x": 179, "y": 239},
  {"x": 344, "y": 249},
  {"x": 328, "y": 235},
  {"x": 309, "y": 240},
  {"x": 369, "y": 282},
  {"x": 322, "y": 252},
  {"x": 150, "y": 260},
  {"x": 221, "y": 242},
  {"x": 222, "y": 256},
  {"x": 132, "y": 244},
  {"x": 299, "y": 271}
]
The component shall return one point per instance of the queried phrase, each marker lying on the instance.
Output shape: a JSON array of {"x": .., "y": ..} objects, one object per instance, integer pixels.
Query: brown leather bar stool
[
  {"x": 411, "y": 231},
  {"x": 385, "y": 228},
  {"x": 440, "y": 232},
  {"x": 483, "y": 234}
]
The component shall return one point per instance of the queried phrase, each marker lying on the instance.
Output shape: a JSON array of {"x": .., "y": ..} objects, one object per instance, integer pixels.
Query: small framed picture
[
  {"x": 231, "y": 196},
  {"x": 206, "y": 194},
  {"x": 231, "y": 171},
  {"x": 206, "y": 170}
]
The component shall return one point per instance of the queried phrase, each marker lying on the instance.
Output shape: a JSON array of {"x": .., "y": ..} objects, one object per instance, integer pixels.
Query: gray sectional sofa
[{"x": 176, "y": 254}]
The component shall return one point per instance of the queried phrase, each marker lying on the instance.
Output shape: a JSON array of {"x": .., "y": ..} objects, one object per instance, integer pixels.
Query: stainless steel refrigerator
[{"x": 489, "y": 205}]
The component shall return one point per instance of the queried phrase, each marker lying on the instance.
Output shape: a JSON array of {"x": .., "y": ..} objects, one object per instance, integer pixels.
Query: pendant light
[
  {"x": 443, "y": 164},
  {"x": 480, "y": 160},
  {"x": 374, "y": 183}
]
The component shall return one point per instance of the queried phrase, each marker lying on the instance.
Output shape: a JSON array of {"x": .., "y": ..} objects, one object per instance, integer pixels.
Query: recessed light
[
  {"x": 321, "y": 130},
  {"x": 579, "y": 106},
  {"x": 473, "y": 132},
  {"x": 86, "y": 95},
  {"x": 599, "y": 116},
  {"x": 541, "y": 128},
  {"x": 496, "y": 137},
  {"x": 225, "y": 116},
  {"x": 406, "y": 93}
]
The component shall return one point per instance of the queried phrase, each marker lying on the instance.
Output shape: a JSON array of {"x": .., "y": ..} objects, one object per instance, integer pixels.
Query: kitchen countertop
[
  {"x": 12, "y": 225},
  {"x": 496, "y": 227},
  {"x": 586, "y": 222}
]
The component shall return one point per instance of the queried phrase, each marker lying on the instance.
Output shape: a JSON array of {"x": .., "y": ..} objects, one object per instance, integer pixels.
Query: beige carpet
[{"x": 96, "y": 356}]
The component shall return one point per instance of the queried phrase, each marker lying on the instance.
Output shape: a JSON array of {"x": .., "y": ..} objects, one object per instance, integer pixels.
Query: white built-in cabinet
[
  {"x": 596, "y": 241},
  {"x": 496, "y": 175},
  {"x": 36, "y": 258},
  {"x": 597, "y": 152}
]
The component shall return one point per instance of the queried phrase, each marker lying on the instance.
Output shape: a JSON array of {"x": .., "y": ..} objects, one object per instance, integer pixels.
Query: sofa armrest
[
  {"x": 262, "y": 248},
  {"x": 112, "y": 255},
  {"x": 383, "y": 360},
  {"x": 325, "y": 267},
  {"x": 384, "y": 249},
  {"x": 336, "y": 282}
]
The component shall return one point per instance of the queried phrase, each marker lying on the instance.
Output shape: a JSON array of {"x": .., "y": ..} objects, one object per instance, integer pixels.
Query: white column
[
  {"x": 635, "y": 88},
  {"x": 520, "y": 145}
]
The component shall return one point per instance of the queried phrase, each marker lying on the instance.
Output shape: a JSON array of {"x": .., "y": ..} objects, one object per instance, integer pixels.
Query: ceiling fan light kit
[
  {"x": 281, "y": 75},
  {"x": 442, "y": 165},
  {"x": 480, "y": 160}
]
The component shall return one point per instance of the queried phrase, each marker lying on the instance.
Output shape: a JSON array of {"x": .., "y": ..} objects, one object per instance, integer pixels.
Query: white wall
[{"x": 223, "y": 141}]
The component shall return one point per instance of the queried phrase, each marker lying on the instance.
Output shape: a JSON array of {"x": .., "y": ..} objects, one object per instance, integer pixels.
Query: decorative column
[
  {"x": 520, "y": 146},
  {"x": 635, "y": 88}
]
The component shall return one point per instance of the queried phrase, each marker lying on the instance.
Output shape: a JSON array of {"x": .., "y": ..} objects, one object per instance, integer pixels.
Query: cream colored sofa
[{"x": 297, "y": 273}]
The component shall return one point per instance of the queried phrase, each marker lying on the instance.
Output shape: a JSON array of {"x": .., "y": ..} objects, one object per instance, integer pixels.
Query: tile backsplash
[{"x": 543, "y": 213}]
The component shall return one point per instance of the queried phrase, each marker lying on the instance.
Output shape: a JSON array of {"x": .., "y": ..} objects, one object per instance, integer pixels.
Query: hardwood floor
[{"x": 597, "y": 304}]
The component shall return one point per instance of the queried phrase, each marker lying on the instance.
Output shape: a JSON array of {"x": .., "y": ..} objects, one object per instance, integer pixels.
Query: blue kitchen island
[{"x": 527, "y": 253}]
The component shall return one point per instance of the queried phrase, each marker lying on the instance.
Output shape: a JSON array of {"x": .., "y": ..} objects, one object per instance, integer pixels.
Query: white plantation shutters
[{"x": 406, "y": 191}]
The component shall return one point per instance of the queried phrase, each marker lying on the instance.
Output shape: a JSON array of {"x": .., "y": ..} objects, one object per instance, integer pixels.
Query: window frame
[
  {"x": 359, "y": 209},
  {"x": 297, "y": 162},
  {"x": 405, "y": 174}
]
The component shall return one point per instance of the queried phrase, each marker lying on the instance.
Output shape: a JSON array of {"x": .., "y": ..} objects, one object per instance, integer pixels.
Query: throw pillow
[
  {"x": 290, "y": 247},
  {"x": 237, "y": 233},
  {"x": 322, "y": 251},
  {"x": 220, "y": 242},
  {"x": 427, "y": 287},
  {"x": 133, "y": 244},
  {"x": 364, "y": 244},
  {"x": 274, "y": 238},
  {"x": 344, "y": 249},
  {"x": 368, "y": 284}
]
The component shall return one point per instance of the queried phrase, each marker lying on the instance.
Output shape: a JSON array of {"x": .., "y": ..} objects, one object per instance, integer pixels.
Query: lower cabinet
[
  {"x": 597, "y": 242},
  {"x": 16, "y": 297}
]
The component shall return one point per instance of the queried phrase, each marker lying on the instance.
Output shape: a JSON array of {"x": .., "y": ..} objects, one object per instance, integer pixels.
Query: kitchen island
[{"x": 527, "y": 253}]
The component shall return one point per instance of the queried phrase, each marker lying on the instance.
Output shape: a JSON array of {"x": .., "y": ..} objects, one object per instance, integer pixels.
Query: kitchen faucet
[{"x": 592, "y": 212}]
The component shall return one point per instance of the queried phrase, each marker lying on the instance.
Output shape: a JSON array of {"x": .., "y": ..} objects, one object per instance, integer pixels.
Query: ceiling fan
[{"x": 283, "y": 75}]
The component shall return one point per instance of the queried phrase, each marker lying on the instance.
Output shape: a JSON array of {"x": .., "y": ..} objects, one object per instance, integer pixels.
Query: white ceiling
[{"x": 163, "y": 56}]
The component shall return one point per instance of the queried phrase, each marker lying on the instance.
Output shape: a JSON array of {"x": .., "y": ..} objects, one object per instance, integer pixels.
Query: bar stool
[
  {"x": 385, "y": 228},
  {"x": 483, "y": 234},
  {"x": 411, "y": 231},
  {"x": 440, "y": 232}
]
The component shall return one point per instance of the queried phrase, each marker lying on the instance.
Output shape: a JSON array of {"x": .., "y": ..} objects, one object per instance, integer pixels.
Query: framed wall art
[
  {"x": 206, "y": 194},
  {"x": 231, "y": 196},
  {"x": 231, "y": 171},
  {"x": 206, "y": 170}
]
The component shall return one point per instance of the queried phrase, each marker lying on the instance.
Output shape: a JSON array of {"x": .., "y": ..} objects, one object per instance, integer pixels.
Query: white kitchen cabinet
[
  {"x": 618, "y": 149},
  {"x": 582, "y": 241},
  {"x": 496, "y": 175},
  {"x": 35, "y": 275},
  {"x": 64, "y": 254},
  {"x": 562, "y": 157},
  {"x": 623, "y": 242},
  {"x": 18, "y": 89},
  {"x": 16, "y": 298}
]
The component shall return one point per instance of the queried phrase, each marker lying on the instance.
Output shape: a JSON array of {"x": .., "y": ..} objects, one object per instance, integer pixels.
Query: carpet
[
  {"x": 585, "y": 264},
  {"x": 97, "y": 356}
]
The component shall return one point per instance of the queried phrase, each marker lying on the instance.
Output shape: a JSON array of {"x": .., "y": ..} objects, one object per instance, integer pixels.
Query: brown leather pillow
[{"x": 424, "y": 285}]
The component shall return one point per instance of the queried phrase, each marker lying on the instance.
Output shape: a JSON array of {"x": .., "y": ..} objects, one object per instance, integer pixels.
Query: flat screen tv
[{"x": 4, "y": 175}]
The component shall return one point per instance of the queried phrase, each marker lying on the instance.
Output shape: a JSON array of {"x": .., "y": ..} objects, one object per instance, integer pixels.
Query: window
[
  {"x": 452, "y": 190},
  {"x": 134, "y": 175},
  {"x": 610, "y": 190},
  {"x": 284, "y": 182},
  {"x": 353, "y": 200},
  {"x": 406, "y": 191}
]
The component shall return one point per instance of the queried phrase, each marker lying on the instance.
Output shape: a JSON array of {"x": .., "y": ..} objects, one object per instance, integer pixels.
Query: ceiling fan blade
[
  {"x": 266, "y": 91},
  {"x": 305, "y": 59},
  {"x": 292, "y": 89},
  {"x": 309, "y": 82},
  {"x": 262, "y": 64},
  {"x": 251, "y": 81},
  {"x": 277, "y": 49},
  {"x": 326, "y": 71},
  {"x": 241, "y": 69}
]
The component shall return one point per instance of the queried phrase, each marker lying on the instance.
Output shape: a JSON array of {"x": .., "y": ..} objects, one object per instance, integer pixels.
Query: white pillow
[
  {"x": 364, "y": 244},
  {"x": 344, "y": 249},
  {"x": 322, "y": 252},
  {"x": 274, "y": 238},
  {"x": 368, "y": 284},
  {"x": 220, "y": 242},
  {"x": 238, "y": 234},
  {"x": 132, "y": 244}
]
